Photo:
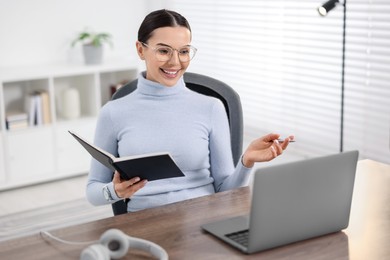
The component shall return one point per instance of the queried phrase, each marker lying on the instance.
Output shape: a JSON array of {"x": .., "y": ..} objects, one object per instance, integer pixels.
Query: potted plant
[{"x": 92, "y": 45}]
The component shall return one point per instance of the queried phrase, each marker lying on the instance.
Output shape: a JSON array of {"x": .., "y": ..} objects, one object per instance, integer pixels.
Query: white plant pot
[{"x": 92, "y": 54}]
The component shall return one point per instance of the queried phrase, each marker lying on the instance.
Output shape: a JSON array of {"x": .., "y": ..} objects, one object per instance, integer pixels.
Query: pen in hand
[{"x": 282, "y": 141}]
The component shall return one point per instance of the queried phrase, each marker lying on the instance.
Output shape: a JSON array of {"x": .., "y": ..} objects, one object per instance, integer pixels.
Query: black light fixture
[
  {"x": 326, "y": 7},
  {"x": 323, "y": 11}
]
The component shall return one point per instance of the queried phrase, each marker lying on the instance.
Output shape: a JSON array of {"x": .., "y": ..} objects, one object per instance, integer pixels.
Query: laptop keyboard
[{"x": 240, "y": 237}]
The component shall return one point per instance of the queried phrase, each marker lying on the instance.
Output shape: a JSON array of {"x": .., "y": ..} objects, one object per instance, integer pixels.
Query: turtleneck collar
[{"x": 152, "y": 88}]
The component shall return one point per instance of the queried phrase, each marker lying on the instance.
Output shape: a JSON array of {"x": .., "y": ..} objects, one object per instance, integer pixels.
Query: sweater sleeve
[
  {"x": 225, "y": 175},
  {"x": 100, "y": 175}
]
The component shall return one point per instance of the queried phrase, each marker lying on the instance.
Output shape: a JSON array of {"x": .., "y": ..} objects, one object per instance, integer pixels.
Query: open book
[{"x": 147, "y": 166}]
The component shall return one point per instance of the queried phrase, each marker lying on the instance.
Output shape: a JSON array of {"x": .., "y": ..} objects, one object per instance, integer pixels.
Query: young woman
[{"x": 163, "y": 115}]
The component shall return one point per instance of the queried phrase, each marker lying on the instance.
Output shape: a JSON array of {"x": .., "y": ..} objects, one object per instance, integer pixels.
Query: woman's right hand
[
  {"x": 126, "y": 189},
  {"x": 264, "y": 149}
]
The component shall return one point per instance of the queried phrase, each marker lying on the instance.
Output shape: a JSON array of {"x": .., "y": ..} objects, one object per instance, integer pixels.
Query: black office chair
[{"x": 210, "y": 87}]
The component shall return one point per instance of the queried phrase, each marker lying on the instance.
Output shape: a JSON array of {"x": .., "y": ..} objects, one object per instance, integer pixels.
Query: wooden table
[{"x": 176, "y": 228}]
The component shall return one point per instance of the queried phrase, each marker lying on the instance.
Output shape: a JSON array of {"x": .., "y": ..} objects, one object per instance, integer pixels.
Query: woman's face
[{"x": 168, "y": 72}]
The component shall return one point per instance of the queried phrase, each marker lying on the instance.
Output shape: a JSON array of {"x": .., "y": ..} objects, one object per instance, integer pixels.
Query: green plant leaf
[{"x": 94, "y": 39}]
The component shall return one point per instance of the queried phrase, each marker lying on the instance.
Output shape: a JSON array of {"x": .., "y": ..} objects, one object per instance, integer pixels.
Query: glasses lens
[
  {"x": 163, "y": 53},
  {"x": 185, "y": 54}
]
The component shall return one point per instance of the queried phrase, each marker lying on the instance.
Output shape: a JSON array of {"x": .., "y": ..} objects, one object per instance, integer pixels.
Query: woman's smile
[{"x": 170, "y": 73}]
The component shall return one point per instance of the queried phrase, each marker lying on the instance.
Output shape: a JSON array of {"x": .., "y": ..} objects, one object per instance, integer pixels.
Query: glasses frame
[{"x": 155, "y": 49}]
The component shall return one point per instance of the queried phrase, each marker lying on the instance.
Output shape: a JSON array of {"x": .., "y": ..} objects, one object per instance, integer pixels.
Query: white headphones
[{"x": 114, "y": 244}]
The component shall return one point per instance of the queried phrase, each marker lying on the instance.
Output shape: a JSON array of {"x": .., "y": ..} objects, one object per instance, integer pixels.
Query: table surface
[{"x": 176, "y": 228}]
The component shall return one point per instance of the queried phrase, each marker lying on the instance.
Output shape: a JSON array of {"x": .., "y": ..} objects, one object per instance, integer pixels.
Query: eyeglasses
[{"x": 164, "y": 53}]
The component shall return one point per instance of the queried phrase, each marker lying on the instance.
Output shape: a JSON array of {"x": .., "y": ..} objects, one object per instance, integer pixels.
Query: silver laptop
[{"x": 293, "y": 202}]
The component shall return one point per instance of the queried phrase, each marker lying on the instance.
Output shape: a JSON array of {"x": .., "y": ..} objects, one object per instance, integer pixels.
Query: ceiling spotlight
[{"x": 326, "y": 7}]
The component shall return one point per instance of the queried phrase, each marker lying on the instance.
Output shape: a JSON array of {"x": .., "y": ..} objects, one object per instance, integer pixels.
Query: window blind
[
  {"x": 285, "y": 62},
  {"x": 367, "y": 84}
]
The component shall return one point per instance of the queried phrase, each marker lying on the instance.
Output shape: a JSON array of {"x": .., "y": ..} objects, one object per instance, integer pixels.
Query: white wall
[{"x": 40, "y": 31}]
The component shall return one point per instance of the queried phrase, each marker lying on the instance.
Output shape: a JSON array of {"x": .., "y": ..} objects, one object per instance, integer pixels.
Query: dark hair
[{"x": 158, "y": 19}]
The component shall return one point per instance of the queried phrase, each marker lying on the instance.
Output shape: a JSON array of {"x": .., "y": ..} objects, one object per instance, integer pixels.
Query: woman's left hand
[{"x": 265, "y": 149}]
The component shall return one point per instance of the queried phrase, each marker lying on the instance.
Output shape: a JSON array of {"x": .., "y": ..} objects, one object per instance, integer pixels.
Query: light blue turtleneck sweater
[{"x": 192, "y": 127}]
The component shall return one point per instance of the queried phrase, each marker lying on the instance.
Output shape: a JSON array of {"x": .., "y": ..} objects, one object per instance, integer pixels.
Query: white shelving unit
[{"x": 46, "y": 152}]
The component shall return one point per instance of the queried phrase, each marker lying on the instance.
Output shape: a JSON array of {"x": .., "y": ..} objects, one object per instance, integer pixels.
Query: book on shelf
[
  {"x": 45, "y": 102},
  {"x": 38, "y": 107},
  {"x": 151, "y": 167},
  {"x": 16, "y": 120}
]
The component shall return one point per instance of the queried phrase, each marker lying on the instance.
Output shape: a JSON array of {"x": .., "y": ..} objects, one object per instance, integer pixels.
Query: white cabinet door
[
  {"x": 72, "y": 158},
  {"x": 30, "y": 154},
  {"x": 2, "y": 170}
]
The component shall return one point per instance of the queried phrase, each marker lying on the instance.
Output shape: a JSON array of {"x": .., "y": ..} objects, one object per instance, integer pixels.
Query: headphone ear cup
[
  {"x": 116, "y": 242},
  {"x": 95, "y": 252}
]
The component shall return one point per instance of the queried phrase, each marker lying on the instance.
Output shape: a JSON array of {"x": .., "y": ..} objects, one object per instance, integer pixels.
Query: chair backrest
[{"x": 210, "y": 87}]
